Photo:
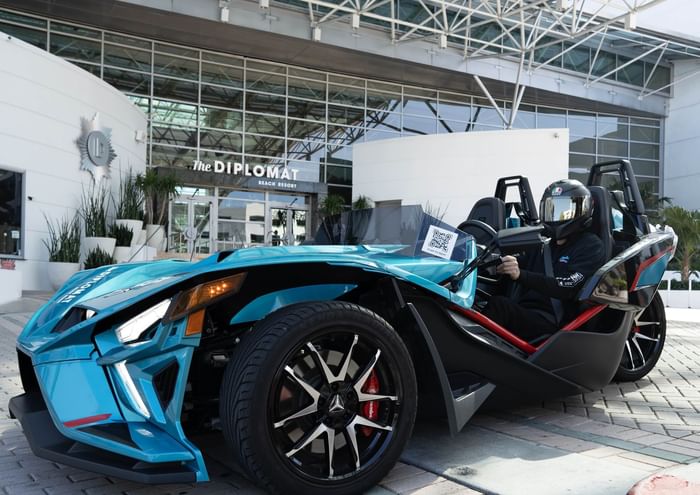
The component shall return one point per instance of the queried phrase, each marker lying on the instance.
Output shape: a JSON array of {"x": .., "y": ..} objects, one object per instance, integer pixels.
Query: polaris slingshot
[{"x": 314, "y": 360}]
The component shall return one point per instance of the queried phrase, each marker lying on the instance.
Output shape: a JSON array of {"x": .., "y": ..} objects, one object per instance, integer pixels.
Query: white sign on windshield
[{"x": 439, "y": 242}]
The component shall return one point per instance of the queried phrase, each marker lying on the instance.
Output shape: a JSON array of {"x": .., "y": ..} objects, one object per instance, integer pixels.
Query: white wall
[
  {"x": 682, "y": 138},
  {"x": 453, "y": 171},
  {"x": 42, "y": 99}
]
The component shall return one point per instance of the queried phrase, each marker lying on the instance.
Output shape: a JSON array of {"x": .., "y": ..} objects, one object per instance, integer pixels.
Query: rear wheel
[
  {"x": 319, "y": 397},
  {"x": 644, "y": 344}
]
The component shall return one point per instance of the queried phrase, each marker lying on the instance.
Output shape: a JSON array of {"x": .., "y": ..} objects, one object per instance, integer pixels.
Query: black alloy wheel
[
  {"x": 644, "y": 344},
  {"x": 319, "y": 397}
]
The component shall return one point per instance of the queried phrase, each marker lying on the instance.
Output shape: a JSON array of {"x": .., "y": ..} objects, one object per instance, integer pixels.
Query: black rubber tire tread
[
  {"x": 624, "y": 375},
  {"x": 252, "y": 357}
]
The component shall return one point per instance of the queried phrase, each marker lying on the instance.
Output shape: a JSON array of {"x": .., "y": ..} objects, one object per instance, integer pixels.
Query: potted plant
[
  {"x": 63, "y": 245},
  {"x": 158, "y": 190},
  {"x": 93, "y": 210},
  {"x": 97, "y": 258},
  {"x": 123, "y": 236},
  {"x": 129, "y": 206}
]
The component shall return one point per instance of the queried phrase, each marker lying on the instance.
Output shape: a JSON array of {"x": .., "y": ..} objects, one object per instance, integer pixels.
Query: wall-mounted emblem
[{"x": 95, "y": 144}]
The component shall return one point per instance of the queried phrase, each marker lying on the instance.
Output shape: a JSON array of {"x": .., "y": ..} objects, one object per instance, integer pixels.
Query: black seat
[
  {"x": 491, "y": 211},
  {"x": 601, "y": 225}
]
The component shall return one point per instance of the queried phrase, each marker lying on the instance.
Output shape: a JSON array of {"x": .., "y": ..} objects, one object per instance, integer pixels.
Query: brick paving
[{"x": 649, "y": 425}]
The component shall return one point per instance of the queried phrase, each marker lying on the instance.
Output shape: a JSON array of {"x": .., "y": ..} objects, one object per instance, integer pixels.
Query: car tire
[
  {"x": 644, "y": 344},
  {"x": 276, "y": 397}
]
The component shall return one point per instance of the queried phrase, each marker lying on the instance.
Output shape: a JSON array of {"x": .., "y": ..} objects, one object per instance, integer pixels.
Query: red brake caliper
[{"x": 370, "y": 410}]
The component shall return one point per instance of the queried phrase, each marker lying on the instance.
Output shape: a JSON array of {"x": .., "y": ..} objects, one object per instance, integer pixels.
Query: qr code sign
[{"x": 439, "y": 242}]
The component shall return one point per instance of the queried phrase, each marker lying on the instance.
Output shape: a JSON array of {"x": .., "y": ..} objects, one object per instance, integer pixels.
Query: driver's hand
[{"x": 509, "y": 266}]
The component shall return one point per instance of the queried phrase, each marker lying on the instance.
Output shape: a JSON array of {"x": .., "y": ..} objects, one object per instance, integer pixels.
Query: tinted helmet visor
[{"x": 564, "y": 208}]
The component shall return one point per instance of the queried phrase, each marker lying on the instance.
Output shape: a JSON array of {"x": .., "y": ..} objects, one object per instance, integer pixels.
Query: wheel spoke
[
  {"x": 629, "y": 353},
  {"x": 362, "y": 421},
  {"x": 365, "y": 375},
  {"x": 330, "y": 447},
  {"x": 310, "y": 409},
  {"x": 308, "y": 438},
  {"x": 315, "y": 394},
  {"x": 368, "y": 397},
  {"x": 639, "y": 350},
  {"x": 645, "y": 337},
  {"x": 327, "y": 373},
  {"x": 647, "y": 323},
  {"x": 344, "y": 368},
  {"x": 330, "y": 378},
  {"x": 351, "y": 437}
]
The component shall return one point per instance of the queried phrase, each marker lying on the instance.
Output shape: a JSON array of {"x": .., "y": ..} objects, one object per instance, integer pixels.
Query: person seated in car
[{"x": 546, "y": 303}]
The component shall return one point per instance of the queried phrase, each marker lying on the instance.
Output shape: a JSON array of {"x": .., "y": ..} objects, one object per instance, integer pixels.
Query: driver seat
[
  {"x": 491, "y": 211},
  {"x": 602, "y": 214}
]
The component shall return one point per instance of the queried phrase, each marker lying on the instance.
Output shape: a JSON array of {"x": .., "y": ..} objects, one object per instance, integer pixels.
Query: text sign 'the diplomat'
[{"x": 245, "y": 170}]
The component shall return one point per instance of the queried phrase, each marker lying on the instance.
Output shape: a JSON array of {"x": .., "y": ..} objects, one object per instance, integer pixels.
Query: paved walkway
[{"x": 602, "y": 442}]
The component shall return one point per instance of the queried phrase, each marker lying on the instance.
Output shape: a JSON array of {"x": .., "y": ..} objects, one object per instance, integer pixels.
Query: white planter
[
  {"x": 134, "y": 225},
  {"x": 140, "y": 237},
  {"x": 106, "y": 244},
  {"x": 59, "y": 272},
  {"x": 122, "y": 254},
  {"x": 155, "y": 235}
]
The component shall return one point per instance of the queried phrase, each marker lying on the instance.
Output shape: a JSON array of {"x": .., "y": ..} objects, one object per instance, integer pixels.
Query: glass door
[
  {"x": 190, "y": 225},
  {"x": 288, "y": 226}
]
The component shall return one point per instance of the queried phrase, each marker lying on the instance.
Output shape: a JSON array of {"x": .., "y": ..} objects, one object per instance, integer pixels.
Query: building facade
[{"x": 227, "y": 84}]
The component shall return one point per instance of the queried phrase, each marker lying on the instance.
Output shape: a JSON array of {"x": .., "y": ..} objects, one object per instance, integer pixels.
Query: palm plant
[
  {"x": 362, "y": 203},
  {"x": 158, "y": 190},
  {"x": 64, "y": 240},
  {"x": 686, "y": 224},
  {"x": 332, "y": 205}
]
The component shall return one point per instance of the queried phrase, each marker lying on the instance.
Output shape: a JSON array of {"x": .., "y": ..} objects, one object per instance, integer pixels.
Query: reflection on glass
[
  {"x": 220, "y": 118},
  {"x": 69, "y": 47},
  {"x": 130, "y": 82},
  {"x": 128, "y": 58},
  {"x": 219, "y": 140},
  {"x": 234, "y": 209},
  {"x": 176, "y": 136},
  {"x": 262, "y": 81},
  {"x": 222, "y": 74},
  {"x": 223, "y": 97},
  {"x": 175, "y": 89}
]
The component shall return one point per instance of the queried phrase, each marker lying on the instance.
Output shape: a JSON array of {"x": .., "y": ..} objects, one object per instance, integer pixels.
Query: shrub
[
  {"x": 97, "y": 258},
  {"x": 122, "y": 234},
  {"x": 63, "y": 243}
]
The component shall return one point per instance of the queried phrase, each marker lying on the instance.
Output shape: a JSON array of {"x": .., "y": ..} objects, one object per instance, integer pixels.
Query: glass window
[
  {"x": 341, "y": 135},
  {"x": 455, "y": 111},
  {"x": 582, "y": 124},
  {"x": 419, "y": 125},
  {"x": 613, "y": 148},
  {"x": 177, "y": 50},
  {"x": 303, "y": 129},
  {"x": 646, "y": 134},
  {"x": 222, "y": 74},
  {"x": 305, "y": 88},
  {"x": 221, "y": 96},
  {"x": 59, "y": 27},
  {"x": 604, "y": 63},
  {"x": 128, "y": 58},
  {"x": 31, "y": 36},
  {"x": 130, "y": 82},
  {"x": 265, "y": 66},
  {"x": 93, "y": 69},
  {"x": 264, "y": 124},
  {"x": 304, "y": 109},
  {"x": 385, "y": 121},
  {"x": 235, "y": 209},
  {"x": 238, "y": 194},
  {"x": 239, "y": 234},
  {"x": 383, "y": 101},
  {"x": 209, "y": 156},
  {"x": 641, "y": 150},
  {"x": 141, "y": 102},
  {"x": 78, "y": 48},
  {"x": 660, "y": 78},
  {"x": 172, "y": 157},
  {"x": 305, "y": 150},
  {"x": 376, "y": 135},
  {"x": 550, "y": 118},
  {"x": 549, "y": 52},
  {"x": 173, "y": 112},
  {"x": 425, "y": 107},
  {"x": 174, "y": 88},
  {"x": 262, "y": 81},
  {"x": 11, "y": 202},
  {"x": 22, "y": 19},
  {"x": 339, "y": 155},
  {"x": 220, "y": 118},
  {"x": 264, "y": 103},
  {"x": 577, "y": 59},
  {"x": 264, "y": 145},
  {"x": 632, "y": 74},
  {"x": 488, "y": 116},
  {"x": 219, "y": 140},
  {"x": 347, "y": 95},
  {"x": 128, "y": 40},
  {"x": 344, "y": 192},
  {"x": 339, "y": 175},
  {"x": 223, "y": 58},
  {"x": 613, "y": 127},
  {"x": 345, "y": 115},
  {"x": 644, "y": 167},
  {"x": 581, "y": 145},
  {"x": 175, "y": 136},
  {"x": 176, "y": 67},
  {"x": 447, "y": 126},
  {"x": 581, "y": 163},
  {"x": 525, "y": 118}
]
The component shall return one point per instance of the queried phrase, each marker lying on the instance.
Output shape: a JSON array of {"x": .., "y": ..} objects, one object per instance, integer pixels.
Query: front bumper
[{"x": 47, "y": 442}]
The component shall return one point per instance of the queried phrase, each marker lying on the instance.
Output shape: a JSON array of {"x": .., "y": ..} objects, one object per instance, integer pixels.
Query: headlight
[
  {"x": 204, "y": 294},
  {"x": 132, "y": 330}
]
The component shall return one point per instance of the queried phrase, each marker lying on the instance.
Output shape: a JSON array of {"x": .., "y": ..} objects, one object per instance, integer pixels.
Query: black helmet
[{"x": 566, "y": 208}]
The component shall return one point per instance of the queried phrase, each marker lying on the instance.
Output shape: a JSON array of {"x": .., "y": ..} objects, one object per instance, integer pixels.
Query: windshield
[{"x": 408, "y": 229}]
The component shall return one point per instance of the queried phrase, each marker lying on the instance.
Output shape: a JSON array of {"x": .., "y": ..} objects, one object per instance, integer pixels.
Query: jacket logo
[{"x": 564, "y": 259}]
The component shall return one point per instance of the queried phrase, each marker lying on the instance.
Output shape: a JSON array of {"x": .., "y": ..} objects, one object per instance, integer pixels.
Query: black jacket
[{"x": 573, "y": 262}]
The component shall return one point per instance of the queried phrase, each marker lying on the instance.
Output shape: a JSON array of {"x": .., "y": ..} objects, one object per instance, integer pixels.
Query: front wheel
[
  {"x": 319, "y": 398},
  {"x": 644, "y": 344}
]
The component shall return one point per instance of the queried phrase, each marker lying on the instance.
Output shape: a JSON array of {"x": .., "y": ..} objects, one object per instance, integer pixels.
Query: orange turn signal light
[
  {"x": 204, "y": 294},
  {"x": 195, "y": 323}
]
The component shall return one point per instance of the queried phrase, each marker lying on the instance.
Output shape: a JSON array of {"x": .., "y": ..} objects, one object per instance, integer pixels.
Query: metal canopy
[{"x": 519, "y": 30}]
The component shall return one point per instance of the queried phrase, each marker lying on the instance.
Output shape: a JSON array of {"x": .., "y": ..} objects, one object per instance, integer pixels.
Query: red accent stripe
[
  {"x": 84, "y": 421},
  {"x": 497, "y": 329},
  {"x": 644, "y": 264},
  {"x": 583, "y": 318}
]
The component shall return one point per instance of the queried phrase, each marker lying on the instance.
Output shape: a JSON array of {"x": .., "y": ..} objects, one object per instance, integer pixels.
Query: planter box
[{"x": 10, "y": 285}]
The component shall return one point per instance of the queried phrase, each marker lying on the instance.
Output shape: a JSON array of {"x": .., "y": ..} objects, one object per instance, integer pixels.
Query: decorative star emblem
[{"x": 95, "y": 145}]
